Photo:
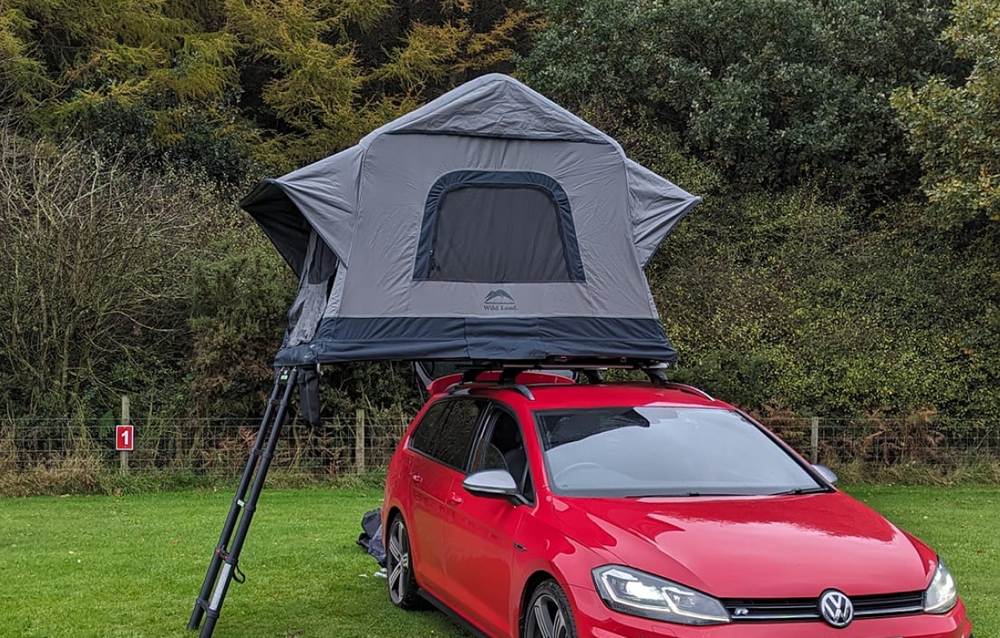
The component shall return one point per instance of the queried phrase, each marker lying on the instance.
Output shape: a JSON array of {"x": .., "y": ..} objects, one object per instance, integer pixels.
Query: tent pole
[{"x": 242, "y": 510}]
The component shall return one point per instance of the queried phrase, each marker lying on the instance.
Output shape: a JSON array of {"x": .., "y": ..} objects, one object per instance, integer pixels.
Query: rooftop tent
[{"x": 490, "y": 224}]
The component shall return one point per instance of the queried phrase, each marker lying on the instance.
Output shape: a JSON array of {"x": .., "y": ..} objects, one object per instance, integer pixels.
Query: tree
[
  {"x": 956, "y": 129},
  {"x": 242, "y": 87},
  {"x": 91, "y": 294},
  {"x": 320, "y": 75},
  {"x": 772, "y": 92}
]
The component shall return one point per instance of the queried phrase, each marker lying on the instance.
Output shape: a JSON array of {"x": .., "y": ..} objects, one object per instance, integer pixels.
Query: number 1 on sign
[{"x": 124, "y": 437}]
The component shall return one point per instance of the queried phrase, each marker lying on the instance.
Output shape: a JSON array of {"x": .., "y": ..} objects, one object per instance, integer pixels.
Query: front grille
[{"x": 807, "y": 609}]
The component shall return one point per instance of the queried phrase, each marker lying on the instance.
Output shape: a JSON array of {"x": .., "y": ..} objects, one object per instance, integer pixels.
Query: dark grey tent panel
[
  {"x": 281, "y": 220},
  {"x": 488, "y": 224},
  {"x": 533, "y": 241}
]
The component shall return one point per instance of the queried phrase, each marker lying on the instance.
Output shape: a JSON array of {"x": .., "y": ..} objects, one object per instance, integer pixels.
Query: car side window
[
  {"x": 504, "y": 450},
  {"x": 449, "y": 436},
  {"x": 427, "y": 431}
]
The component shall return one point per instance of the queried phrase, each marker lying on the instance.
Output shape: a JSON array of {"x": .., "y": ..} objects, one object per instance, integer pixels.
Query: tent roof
[{"x": 494, "y": 105}]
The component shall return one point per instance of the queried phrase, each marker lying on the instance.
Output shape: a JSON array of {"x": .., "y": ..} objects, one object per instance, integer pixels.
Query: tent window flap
[{"x": 498, "y": 226}]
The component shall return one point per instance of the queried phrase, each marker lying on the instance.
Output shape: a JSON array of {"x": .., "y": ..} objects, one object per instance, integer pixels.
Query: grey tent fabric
[
  {"x": 656, "y": 208},
  {"x": 489, "y": 224}
]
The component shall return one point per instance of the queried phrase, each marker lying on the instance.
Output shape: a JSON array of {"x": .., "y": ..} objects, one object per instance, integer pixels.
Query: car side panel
[
  {"x": 430, "y": 485},
  {"x": 479, "y": 558}
]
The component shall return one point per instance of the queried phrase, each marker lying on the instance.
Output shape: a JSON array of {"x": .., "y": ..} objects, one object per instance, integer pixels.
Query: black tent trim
[{"x": 343, "y": 339}]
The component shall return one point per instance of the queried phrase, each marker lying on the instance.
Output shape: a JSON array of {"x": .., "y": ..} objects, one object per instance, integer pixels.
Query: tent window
[{"x": 498, "y": 227}]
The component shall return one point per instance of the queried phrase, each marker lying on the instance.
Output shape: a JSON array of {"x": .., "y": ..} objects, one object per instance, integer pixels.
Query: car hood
[{"x": 754, "y": 547}]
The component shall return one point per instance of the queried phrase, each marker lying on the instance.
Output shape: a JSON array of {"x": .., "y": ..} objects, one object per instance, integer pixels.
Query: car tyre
[
  {"x": 548, "y": 614},
  {"x": 399, "y": 566}
]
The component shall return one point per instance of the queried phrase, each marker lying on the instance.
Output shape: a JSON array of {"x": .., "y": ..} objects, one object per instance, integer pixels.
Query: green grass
[{"x": 130, "y": 566}]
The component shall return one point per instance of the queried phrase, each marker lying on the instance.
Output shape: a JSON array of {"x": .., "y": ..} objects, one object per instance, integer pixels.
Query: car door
[
  {"x": 440, "y": 455},
  {"x": 479, "y": 558}
]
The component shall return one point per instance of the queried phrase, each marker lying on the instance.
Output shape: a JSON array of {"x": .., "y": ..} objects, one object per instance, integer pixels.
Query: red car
[{"x": 550, "y": 509}]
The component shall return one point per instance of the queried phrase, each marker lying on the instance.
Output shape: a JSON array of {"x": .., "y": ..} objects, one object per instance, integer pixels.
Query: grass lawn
[{"x": 131, "y": 566}]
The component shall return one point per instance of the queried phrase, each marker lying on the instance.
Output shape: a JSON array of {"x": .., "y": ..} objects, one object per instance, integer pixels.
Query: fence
[
  {"x": 910, "y": 450},
  {"x": 50, "y": 455},
  {"x": 219, "y": 446}
]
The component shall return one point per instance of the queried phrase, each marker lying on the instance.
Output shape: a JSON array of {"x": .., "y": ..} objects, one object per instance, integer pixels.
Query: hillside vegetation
[{"x": 844, "y": 261}]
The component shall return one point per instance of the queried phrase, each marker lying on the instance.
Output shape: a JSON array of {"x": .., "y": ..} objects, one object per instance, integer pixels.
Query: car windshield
[{"x": 660, "y": 451}]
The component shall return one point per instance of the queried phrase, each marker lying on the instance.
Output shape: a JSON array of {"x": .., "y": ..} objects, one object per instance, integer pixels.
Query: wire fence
[
  {"x": 50, "y": 455},
  {"x": 218, "y": 446},
  {"x": 908, "y": 449}
]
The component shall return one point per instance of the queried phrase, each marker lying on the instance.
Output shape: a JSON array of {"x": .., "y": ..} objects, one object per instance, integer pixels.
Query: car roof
[{"x": 554, "y": 396}]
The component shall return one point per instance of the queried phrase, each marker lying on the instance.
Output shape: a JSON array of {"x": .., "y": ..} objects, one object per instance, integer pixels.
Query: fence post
[
  {"x": 359, "y": 441},
  {"x": 123, "y": 455},
  {"x": 814, "y": 439}
]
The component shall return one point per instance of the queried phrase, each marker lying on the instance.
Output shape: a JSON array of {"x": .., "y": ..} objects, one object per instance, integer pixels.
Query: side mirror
[
  {"x": 826, "y": 473},
  {"x": 491, "y": 483}
]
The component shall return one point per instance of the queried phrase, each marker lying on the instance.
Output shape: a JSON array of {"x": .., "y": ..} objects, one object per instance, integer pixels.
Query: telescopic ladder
[{"x": 224, "y": 566}]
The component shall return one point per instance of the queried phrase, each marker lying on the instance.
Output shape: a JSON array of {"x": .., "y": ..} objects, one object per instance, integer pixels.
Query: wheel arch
[
  {"x": 393, "y": 511},
  {"x": 530, "y": 584}
]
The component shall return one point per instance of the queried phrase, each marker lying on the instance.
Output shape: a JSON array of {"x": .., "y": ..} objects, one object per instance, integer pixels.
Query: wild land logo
[{"x": 499, "y": 300}]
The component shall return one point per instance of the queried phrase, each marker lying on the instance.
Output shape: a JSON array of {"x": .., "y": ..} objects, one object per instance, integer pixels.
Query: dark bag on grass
[{"x": 371, "y": 537}]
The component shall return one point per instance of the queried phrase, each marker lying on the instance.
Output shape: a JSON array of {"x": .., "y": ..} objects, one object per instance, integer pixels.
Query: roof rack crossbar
[{"x": 520, "y": 388}]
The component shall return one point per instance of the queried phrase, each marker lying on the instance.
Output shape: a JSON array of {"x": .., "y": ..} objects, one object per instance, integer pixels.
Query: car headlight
[
  {"x": 941, "y": 594},
  {"x": 639, "y": 594}
]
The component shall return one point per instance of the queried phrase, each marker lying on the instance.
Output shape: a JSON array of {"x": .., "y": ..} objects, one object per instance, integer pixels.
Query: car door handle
[
  {"x": 416, "y": 478},
  {"x": 455, "y": 499}
]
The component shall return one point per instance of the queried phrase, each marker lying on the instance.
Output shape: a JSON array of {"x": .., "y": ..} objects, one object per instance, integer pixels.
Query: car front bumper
[{"x": 594, "y": 619}]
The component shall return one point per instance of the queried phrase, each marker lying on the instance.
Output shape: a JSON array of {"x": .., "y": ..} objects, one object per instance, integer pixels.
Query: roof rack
[
  {"x": 590, "y": 367},
  {"x": 659, "y": 379},
  {"x": 508, "y": 378},
  {"x": 524, "y": 390}
]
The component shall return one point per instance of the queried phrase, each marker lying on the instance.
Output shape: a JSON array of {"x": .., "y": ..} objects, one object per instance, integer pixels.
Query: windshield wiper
[
  {"x": 683, "y": 494},
  {"x": 801, "y": 490}
]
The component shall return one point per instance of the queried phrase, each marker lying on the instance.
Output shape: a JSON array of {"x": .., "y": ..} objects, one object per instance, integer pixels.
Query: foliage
[
  {"x": 90, "y": 301},
  {"x": 329, "y": 72},
  {"x": 235, "y": 88},
  {"x": 239, "y": 293},
  {"x": 22, "y": 79},
  {"x": 814, "y": 278},
  {"x": 772, "y": 92},
  {"x": 956, "y": 129},
  {"x": 782, "y": 303}
]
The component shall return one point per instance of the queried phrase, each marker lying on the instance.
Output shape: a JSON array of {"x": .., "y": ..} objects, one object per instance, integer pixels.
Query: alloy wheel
[
  {"x": 547, "y": 619},
  {"x": 399, "y": 565}
]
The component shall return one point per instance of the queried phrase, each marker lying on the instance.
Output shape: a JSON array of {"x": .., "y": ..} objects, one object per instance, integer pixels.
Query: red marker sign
[{"x": 124, "y": 437}]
